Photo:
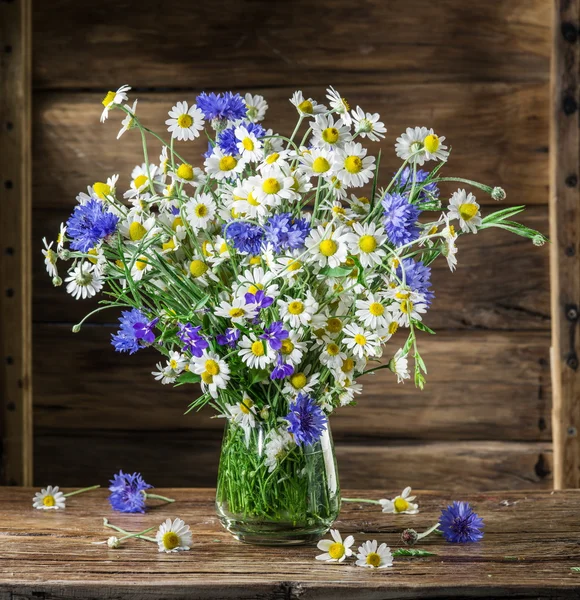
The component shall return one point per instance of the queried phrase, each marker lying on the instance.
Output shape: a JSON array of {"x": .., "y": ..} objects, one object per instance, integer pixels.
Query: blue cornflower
[
  {"x": 127, "y": 338},
  {"x": 285, "y": 232},
  {"x": 144, "y": 330},
  {"x": 229, "y": 338},
  {"x": 191, "y": 340},
  {"x": 275, "y": 334},
  {"x": 282, "y": 369},
  {"x": 221, "y": 106},
  {"x": 259, "y": 299},
  {"x": 417, "y": 277},
  {"x": 460, "y": 524},
  {"x": 306, "y": 420},
  {"x": 228, "y": 141},
  {"x": 128, "y": 492},
  {"x": 89, "y": 224},
  {"x": 400, "y": 219},
  {"x": 406, "y": 182},
  {"x": 244, "y": 236}
]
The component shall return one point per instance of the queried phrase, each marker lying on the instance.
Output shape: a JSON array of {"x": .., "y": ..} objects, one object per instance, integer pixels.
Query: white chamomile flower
[
  {"x": 112, "y": 99},
  {"x": 273, "y": 189},
  {"x": 61, "y": 237},
  {"x": 450, "y": 249},
  {"x": 335, "y": 550},
  {"x": 277, "y": 163},
  {"x": 177, "y": 361},
  {"x": 462, "y": 206},
  {"x": 247, "y": 204},
  {"x": 249, "y": 146},
  {"x": 328, "y": 134},
  {"x": 256, "y": 353},
  {"x": 140, "y": 265},
  {"x": 50, "y": 258},
  {"x": 237, "y": 311},
  {"x": 187, "y": 173},
  {"x": 256, "y": 107},
  {"x": 329, "y": 246},
  {"x": 100, "y": 190},
  {"x": 292, "y": 349},
  {"x": 98, "y": 259},
  {"x": 298, "y": 311},
  {"x": 401, "y": 504},
  {"x": 185, "y": 123},
  {"x": 368, "y": 125},
  {"x": 301, "y": 381},
  {"x": 113, "y": 542},
  {"x": 164, "y": 161},
  {"x": 137, "y": 228},
  {"x": 173, "y": 536},
  {"x": 348, "y": 391},
  {"x": 200, "y": 211},
  {"x": 368, "y": 245},
  {"x": 352, "y": 165},
  {"x": 223, "y": 166},
  {"x": 213, "y": 370},
  {"x": 83, "y": 281},
  {"x": 306, "y": 107},
  {"x": 360, "y": 204},
  {"x": 165, "y": 373},
  {"x": 141, "y": 180},
  {"x": 317, "y": 162},
  {"x": 129, "y": 121},
  {"x": 331, "y": 356},
  {"x": 373, "y": 557},
  {"x": 361, "y": 342},
  {"x": 399, "y": 365},
  {"x": 277, "y": 446},
  {"x": 419, "y": 144},
  {"x": 244, "y": 415},
  {"x": 49, "y": 498},
  {"x": 289, "y": 267},
  {"x": 339, "y": 105},
  {"x": 373, "y": 312},
  {"x": 255, "y": 279},
  {"x": 410, "y": 305},
  {"x": 434, "y": 147}
]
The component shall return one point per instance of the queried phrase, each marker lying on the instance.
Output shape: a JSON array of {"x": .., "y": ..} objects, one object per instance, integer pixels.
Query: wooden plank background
[{"x": 477, "y": 72}]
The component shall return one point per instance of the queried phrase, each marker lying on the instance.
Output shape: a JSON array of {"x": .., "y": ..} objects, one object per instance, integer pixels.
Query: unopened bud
[
  {"x": 538, "y": 240},
  {"x": 113, "y": 542},
  {"x": 498, "y": 194},
  {"x": 56, "y": 281},
  {"x": 64, "y": 254},
  {"x": 76, "y": 328},
  {"x": 409, "y": 537}
]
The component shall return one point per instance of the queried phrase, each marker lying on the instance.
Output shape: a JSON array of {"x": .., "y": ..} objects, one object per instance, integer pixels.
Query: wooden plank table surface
[{"x": 531, "y": 542}]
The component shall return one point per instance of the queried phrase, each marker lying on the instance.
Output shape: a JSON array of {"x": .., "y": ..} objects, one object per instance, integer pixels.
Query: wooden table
[{"x": 532, "y": 540}]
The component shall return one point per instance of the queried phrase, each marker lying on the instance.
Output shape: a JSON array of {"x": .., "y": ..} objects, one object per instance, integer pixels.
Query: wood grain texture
[
  {"x": 484, "y": 292},
  {"x": 498, "y": 131},
  {"x": 15, "y": 251},
  {"x": 565, "y": 248},
  {"x": 257, "y": 43},
  {"x": 529, "y": 547},
  {"x": 481, "y": 385}
]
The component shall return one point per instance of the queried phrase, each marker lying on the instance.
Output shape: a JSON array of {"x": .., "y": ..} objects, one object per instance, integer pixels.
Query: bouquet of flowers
[{"x": 272, "y": 275}]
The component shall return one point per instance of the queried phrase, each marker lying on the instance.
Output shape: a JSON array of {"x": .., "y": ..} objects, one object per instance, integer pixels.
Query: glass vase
[{"x": 293, "y": 501}]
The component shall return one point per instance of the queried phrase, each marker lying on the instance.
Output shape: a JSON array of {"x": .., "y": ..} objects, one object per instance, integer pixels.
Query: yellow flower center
[
  {"x": 251, "y": 200},
  {"x": 334, "y": 325},
  {"x": 185, "y": 171},
  {"x": 271, "y": 185},
  {"x": 367, "y": 243},
  {"x": 201, "y": 211},
  {"x": 170, "y": 540},
  {"x": 360, "y": 339},
  {"x": 373, "y": 559},
  {"x": 236, "y": 313},
  {"x": 272, "y": 158},
  {"x": 102, "y": 190},
  {"x": 207, "y": 378},
  {"x": 333, "y": 349},
  {"x": 185, "y": 121},
  {"x": 212, "y": 367},
  {"x": 258, "y": 348},
  {"x": 296, "y": 307},
  {"x": 353, "y": 164},
  {"x": 330, "y": 135},
  {"x": 376, "y": 309},
  {"x": 407, "y": 306},
  {"x": 402, "y": 295},
  {"x": 173, "y": 364},
  {"x": 298, "y": 381},
  {"x": 393, "y": 327},
  {"x": 434, "y": 229},
  {"x": 197, "y": 268},
  {"x": 431, "y": 143},
  {"x": 328, "y": 247},
  {"x": 287, "y": 346},
  {"x": 51, "y": 256},
  {"x": 364, "y": 200},
  {"x": 248, "y": 144},
  {"x": 141, "y": 263},
  {"x": 346, "y": 104},
  {"x": 294, "y": 265},
  {"x": 401, "y": 504},
  {"x": 246, "y": 405},
  {"x": 170, "y": 245},
  {"x": 336, "y": 550},
  {"x": 253, "y": 289},
  {"x": 177, "y": 222},
  {"x": 136, "y": 231},
  {"x": 92, "y": 252},
  {"x": 306, "y": 107},
  {"x": 320, "y": 165},
  {"x": 451, "y": 230},
  {"x": 347, "y": 365},
  {"x": 48, "y": 501},
  {"x": 467, "y": 211},
  {"x": 140, "y": 181},
  {"x": 227, "y": 163},
  {"x": 108, "y": 98}
]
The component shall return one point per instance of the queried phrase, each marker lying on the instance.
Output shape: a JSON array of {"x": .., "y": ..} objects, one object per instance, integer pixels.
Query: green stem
[
  {"x": 87, "y": 489},
  {"x": 360, "y": 500},
  {"x": 158, "y": 497},
  {"x": 120, "y": 530},
  {"x": 420, "y": 536}
]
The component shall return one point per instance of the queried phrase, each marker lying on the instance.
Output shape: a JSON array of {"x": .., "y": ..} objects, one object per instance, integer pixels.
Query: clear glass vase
[{"x": 293, "y": 501}]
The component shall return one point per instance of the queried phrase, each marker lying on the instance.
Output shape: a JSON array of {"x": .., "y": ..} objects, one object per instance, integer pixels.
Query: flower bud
[
  {"x": 538, "y": 240},
  {"x": 56, "y": 281},
  {"x": 498, "y": 194},
  {"x": 113, "y": 542},
  {"x": 64, "y": 254},
  {"x": 76, "y": 328},
  {"x": 409, "y": 537}
]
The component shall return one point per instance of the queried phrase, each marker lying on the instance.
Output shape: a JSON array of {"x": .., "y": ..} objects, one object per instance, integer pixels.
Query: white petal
[
  {"x": 324, "y": 545},
  {"x": 406, "y": 492},
  {"x": 324, "y": 556}
]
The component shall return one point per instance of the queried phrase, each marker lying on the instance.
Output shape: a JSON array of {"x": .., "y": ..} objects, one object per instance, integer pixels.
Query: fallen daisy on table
[
  {"x": 401, "y": 504},
  {"x": 173, "y": 536},
  {"x": 335, "y": 550},
  {"x": 373, "y": 557},
  {"x": 51, "y": 498}
]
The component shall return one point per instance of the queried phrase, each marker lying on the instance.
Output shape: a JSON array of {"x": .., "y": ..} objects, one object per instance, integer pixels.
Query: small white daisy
[
  {"x": 368, "y": 125},
  {"x": 223, "y": 166},
  {"x": 292, "y": 349},
  {"x": 408, "y": 305},
  {"x": 256, "y": 107},
  {"x": 214, "y": 372},
  {"x": 249, "y": 147},
  {"x": 277, "y": 163},
  {"x": 255, "y": 279},
  {"x": 173, "y": 536},
  {"x": 335, "y": 550},
  {"x": 273, "y": 189},
  {"x": 339, "y": 104},
  {"x": 317, "y": 162},
  {"x": 255, "y": 353},
  {"x": 450, "y": 248},
  {"x": 244, "y": 415},
  {"x": 50, "y": 258},
  {"x": 200, "y": 211},
  {"x": 306, "y": 107},
  {"x": 83, "y": 281},
  {"x": 462, "y": 206},
  {"x": 368, "y": 244},
  {"x": 328, "y": 134},
  {"x": 277, "y": 446},
  {"x": 140, "y": 265},
  {"x": 401, "y": 504},
  {"x": 298, "y": 311},
  {"x": 237, "y": 311},
  {"x": 331, "y": 356},
  {"x": 49, "y": 498},
  {"x": 186, "y": 173},
  {"x": 399, "y": 365},
  {"x": 329, "y": 246},
  {"x": 419, "y": 144},
  {"x": 352, "y": 165},
  {"x": 301, "y": 381},
  {"x": 61, "y": 237},
  {"x": 140, "y": 180},
  {"x": 112, "y": 99},
  {"x": 373, "y": 312},
  {"x": 361, "y": 342},
  {"x": 185, "y": 123},
  {"x": 129, "y": 121},
  {"x": 373, "y": 557}
]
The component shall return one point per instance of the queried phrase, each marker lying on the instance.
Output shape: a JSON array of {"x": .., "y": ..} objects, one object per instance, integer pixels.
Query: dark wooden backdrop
[{"x": 477, "y": 72}]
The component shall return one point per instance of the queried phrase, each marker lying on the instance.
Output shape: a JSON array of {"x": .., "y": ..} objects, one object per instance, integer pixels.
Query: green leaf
[
  {"x": 188, "y": 377},
  {"x": 412, "y": 552},
  {"x": 257, "y": 375},
  {"x": 421, "y": 326},
  {"x": 336, "y": 271},
  {"x": 575, "y": 569}
]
